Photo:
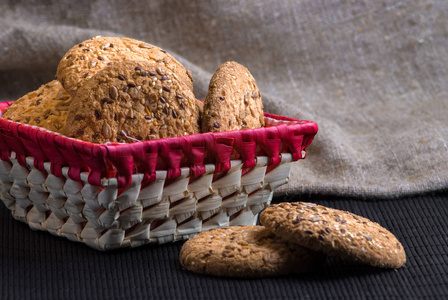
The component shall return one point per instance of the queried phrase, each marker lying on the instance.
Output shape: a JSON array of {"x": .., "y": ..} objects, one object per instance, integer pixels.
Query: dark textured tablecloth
[{"x": 37, "y": 265}]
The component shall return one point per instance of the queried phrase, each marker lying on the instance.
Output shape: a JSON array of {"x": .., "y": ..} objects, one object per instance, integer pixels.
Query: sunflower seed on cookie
[
  {"x": 85, "y": 59},
  {"x": 335, "y": 232},
  {"x": 128, "y": 101},
  {"x": 233, "y": 101},
  {"x": 45, "y": 107},
  {"x": 245, "y": 252}
]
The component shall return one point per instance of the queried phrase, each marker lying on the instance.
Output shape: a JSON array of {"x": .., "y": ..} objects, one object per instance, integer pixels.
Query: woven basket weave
[{"x": 125, "y": 195}]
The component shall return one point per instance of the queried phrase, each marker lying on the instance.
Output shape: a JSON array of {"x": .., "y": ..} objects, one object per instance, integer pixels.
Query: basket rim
[
  {"x": 122, "y": 160},
  {"x": 289, "y": 121}
]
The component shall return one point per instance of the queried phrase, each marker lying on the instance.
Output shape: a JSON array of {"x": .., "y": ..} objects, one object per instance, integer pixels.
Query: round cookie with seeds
[
  {"x": 84, "y": 60},
  {"x": 335, "y": 232},
  {"x": 233, "y": 101},
  {"x": 244, "y": 251},
  {"x": 45, "y": 107},
  {"x": 132, "y": 101}
]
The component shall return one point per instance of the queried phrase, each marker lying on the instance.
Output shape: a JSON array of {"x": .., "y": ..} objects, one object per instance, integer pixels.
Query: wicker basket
[{"x": 125, "y": 195}]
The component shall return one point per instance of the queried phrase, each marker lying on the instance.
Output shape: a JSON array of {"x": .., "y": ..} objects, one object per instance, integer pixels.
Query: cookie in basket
[
  {"x": 84, "y": 60},
  {"x": 233, "y": 101},
  {"x": 335, "y": 232},
  {"x": 45, "y": 107},
  {"x": 132, "y": 101},
  {"x": 244, "y": 251}
]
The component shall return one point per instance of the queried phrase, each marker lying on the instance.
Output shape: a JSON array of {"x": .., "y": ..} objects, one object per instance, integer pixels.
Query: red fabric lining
[
  {"x": 48, "y": 142},
  {"x": 196, "y": 154},
  {"x": 245, "y": 144},
  {"x": 30, "y": 141},
  {"x": 4, "y": 106},
  {"x": 121, "y": 161},
  {"x": 13, "y": 141}
]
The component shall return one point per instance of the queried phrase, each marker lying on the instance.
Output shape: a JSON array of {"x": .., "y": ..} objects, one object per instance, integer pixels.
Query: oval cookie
[
  {"x": 84, "y": 60},
  {"x": 233, "y": 101},
  {"x": 244, "y": 251},
  {"x": 132, "y": 101},
  {"x": 335, "y": 232},
  {"x": 45, "y": 107}
]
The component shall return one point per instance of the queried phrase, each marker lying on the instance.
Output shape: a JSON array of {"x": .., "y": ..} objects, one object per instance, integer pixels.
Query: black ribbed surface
[{"x": 37, "y": 265}]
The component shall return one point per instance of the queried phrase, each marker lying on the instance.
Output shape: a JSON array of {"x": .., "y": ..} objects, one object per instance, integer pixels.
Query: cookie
[
  {"x": 84, "y": 60},
  {"x": 335, "y": 232},
  {"x": 132, "y": 101},
  {"x": 45, "y": 107},
  {"x": 200, "y": 105},
  {"x": 233, "y": 101},
  {"x": 244, "y": 251}
]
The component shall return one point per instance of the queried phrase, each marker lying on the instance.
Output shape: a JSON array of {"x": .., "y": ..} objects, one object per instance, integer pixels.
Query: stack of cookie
[
  {"x": 112, "y": 89},
  {"x": 293, "y": 238}
]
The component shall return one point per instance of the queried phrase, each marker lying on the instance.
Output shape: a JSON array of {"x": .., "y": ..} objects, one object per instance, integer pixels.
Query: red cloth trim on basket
[
  {"x": 223, "y": 151},
  {"x": 12, "y": 140},
  {"x": 121, "y": 161},
  {"x": 4, "y": 106},
  {"x": 245, "y": 144},
  {"x": 4, "y": 146},
  {"x": 47, "y": 142},
  {"x": 65, "y": 154},
  {"x": 195, "y": 152},
  {"x": 171, "y": 155},
  {"x": 30, "y": 141}
]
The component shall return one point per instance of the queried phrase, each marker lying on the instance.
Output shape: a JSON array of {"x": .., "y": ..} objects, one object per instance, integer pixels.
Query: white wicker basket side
[{"x": 105, "y": 217}]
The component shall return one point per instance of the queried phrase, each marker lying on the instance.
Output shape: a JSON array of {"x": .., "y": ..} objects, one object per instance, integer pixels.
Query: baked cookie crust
[
  {"x": 335, "y": 232},
  {"x": 84, "y": 60},
  {"x": 233, "y": 101},
  {"x": 132, "y": 101},
  {"x": 45, "y": 107},
  {"x": 245, "y": 252}
]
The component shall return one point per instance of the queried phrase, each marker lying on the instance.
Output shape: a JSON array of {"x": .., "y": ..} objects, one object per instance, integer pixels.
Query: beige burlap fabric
[{"x": 372, "y": 74}]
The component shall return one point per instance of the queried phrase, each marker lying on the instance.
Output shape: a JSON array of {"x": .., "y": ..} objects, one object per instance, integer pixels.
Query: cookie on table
[
  {"x": 132, "y": 101},
  {"x": 45, "y": 107},
  {"x": 233, "y": 101},
  {"x": 244, "y": 251},
  {"x": 84, "y": 60},
  {"x": 335, "y": 232}
]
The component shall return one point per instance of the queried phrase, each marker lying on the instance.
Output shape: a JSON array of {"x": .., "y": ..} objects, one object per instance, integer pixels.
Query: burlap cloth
[{"x": 372, "y": 74}]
